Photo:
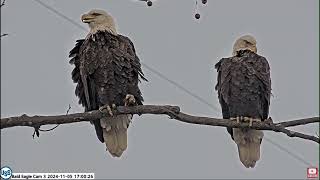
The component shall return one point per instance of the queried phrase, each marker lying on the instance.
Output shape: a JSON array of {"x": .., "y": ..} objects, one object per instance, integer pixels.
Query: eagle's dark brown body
[
  {"x": 106, "y": 70},
  {"x": 244, "y": 86}
]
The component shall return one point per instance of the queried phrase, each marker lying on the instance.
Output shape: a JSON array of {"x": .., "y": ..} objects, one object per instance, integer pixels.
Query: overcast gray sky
[{"x": 36, "y": 80}]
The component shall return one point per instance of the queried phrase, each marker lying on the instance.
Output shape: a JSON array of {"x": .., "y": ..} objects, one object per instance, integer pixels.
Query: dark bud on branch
[{"x": 197, "y": 16}]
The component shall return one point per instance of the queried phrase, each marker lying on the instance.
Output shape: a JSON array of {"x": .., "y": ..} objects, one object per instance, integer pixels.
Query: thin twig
[
  {"x": 37, "y": 128},
  {"x": 2, "y": 35},
  {"x": 36, "y": 131},
  {"x": 171, "y": 111},
  {"x": 68, "y": 109},
  {"x": 3, "y": 3},
  {"x": 44, "y": 130}
]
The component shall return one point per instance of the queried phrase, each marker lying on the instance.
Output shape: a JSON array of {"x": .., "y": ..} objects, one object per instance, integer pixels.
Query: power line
[
  {"x": 181, "y": 87},
  {"x": 60, "y": 14},
  {"x": 280, "y": 147}
]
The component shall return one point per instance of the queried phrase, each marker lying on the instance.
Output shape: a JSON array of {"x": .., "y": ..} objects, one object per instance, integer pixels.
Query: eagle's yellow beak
[
  {"x": 254, "y": 49},
  {"x": 87, "y": 18}
]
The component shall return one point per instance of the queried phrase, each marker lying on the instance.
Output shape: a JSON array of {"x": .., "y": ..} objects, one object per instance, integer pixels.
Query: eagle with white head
[
  {"x": 107, "y": 72},
  {"x": 244, "y": 89}
]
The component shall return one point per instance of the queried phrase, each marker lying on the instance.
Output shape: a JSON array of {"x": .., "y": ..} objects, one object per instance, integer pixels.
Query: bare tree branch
[
  {"x": 298, "y": 122},
  {"x": 172, "y": 111}
]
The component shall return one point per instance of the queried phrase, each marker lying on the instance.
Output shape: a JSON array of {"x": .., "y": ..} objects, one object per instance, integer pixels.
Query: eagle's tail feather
[
  {"x": 115, "y": 133},
  {"x": 248, "y": 142}
]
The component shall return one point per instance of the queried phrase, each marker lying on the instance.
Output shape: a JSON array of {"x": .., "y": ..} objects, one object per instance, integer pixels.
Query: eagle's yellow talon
[
  {"x": 238, "y": 120},
  {"x": 250, "y": 122},
  {"x": 129, "y": 100},
  {"x": 109, "y": 110}
]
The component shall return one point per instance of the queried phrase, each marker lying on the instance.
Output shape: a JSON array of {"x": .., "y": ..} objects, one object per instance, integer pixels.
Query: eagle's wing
[
  {"x": 76, "y": 75},
  {"x": 81, "y": 75},
  {"x": 127, "y": 51},
  {"x": 223, "y": 68},
  {"x": 262, "y": 71},
  {"x": 85, "y": 88}
]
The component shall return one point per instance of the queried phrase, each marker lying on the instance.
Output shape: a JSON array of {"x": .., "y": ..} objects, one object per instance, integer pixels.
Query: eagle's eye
[
  {"x": 96, "y": 14},
  {"x": 247, "y": 42}
]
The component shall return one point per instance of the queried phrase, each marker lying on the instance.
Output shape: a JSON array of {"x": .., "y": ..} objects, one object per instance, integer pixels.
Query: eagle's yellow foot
[
  {"x": 109, "y": 110},
  {"x": 129, "y": 100},
  {"x": 268, "y": 120},
  {"x": 114, "y": 107},
  {"x": 250, "y": 119},
  {"x": 238, "y": 119}
]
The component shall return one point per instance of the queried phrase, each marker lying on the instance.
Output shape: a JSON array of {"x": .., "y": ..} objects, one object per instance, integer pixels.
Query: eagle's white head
[
  {"x": 99, "y": 20},
  {"x": 246, "y": 42}
]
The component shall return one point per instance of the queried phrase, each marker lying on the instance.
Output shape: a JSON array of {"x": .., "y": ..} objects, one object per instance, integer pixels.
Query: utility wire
[{"x": 181, "y": 87}]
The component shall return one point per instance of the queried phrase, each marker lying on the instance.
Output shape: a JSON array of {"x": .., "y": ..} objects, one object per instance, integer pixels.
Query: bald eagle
[
  {"x": 244, "y": 88},
  {"x": 107, "y": 72}
]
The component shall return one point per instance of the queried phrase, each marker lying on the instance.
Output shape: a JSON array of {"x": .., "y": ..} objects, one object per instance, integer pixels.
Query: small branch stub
[{"x": 149, "y": 2}]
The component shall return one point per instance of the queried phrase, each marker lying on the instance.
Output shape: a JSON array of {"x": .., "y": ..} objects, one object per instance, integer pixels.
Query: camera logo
[
  {"x": 312, "y": 172},
  {"x": 6, "y": 172}
]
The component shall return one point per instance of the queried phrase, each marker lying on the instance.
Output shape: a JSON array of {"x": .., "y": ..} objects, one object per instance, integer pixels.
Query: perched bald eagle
[
  {"x": 107, "y": 72},
  {"x": 244, "y": 88}
]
